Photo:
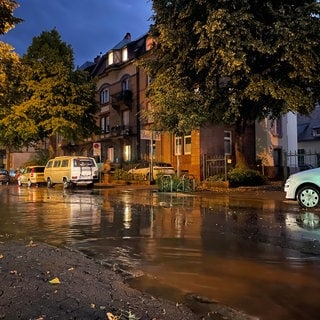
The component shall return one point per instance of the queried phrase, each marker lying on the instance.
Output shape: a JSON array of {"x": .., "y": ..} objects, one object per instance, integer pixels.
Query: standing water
[{"x": 259, "y": 256}]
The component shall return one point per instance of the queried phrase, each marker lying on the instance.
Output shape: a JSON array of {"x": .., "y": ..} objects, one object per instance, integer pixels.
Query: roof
[
  {"x": 123, "y": 42},
  {"x": 307, "y": 123}
]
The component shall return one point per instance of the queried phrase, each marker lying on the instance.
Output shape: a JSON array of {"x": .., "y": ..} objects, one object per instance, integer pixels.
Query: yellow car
[{"x": 32, "y": 175}]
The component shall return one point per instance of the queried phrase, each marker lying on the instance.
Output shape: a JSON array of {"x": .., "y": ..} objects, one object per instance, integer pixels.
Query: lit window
[
  {"x": 104, "y": 96},
  {"x": 127, "y": 152},
  {"x": 110, "y": 58},
  {"x": 111, "y": 154},
  {"x": 124, "y": 54},
  {"x": 227, "y": 143},
  {"x": 187, "y": 144}
]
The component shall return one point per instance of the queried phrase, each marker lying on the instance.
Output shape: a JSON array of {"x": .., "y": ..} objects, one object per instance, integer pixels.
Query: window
[
  {"x": 182, "y": 145},
  {"x": 316, "y": 132},
  {"x": 187, "y": 144},
  {"x": 111, "y": 154},
  {"x": 65, "y": 163},
  {"x": 104, "y": 124},
  {"x": 110, "y": 58},
  {"x": 276, "y": 127},
  {"x": 125, "y": 84},
  {"x": 127, "y": 153},
  {"x": 125, "y": 54},
  {"x": 178, "y": 146},
  {"x": 104, "y": 96},
  {"x": 227, "y": 143},
  {"x": 125, "y": 118},
  {"x": 56, "y": 164}
]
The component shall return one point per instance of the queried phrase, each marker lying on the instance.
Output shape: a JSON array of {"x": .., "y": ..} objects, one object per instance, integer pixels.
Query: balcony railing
[
  {"x": 117, "y": 131},
  {"x": 123, "y": 98}
]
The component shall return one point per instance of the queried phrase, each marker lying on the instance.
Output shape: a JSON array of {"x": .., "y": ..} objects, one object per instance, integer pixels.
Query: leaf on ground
[
  {"x": 110, "y": 316},
  {"x": 1, "y": 256},
  {"x": 32, "y": 244},
  {"x": 54, "y": 281}
]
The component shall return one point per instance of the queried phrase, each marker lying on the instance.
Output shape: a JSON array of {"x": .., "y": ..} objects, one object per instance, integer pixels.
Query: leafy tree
[
  {"x": 7, "y": 20},
  {"x": 246, "y": 59},
  {"x": 11, "y": 70},
  {"x": 59, "y": 100}
]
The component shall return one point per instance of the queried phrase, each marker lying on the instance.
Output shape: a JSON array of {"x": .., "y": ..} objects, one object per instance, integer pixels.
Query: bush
[
  {"x": 175, "y": 184},
  {"x": 245, "y": 177}
]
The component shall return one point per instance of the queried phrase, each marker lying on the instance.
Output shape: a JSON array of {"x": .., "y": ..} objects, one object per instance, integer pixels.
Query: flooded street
[{"x": 261, "y": 256}]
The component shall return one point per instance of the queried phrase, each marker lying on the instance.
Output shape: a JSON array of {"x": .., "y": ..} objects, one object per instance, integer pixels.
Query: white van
[{"x": 71, "y": 171}]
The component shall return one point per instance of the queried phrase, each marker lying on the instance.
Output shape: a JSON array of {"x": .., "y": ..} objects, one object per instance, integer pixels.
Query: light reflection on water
[{"x": 241, "y": 253}]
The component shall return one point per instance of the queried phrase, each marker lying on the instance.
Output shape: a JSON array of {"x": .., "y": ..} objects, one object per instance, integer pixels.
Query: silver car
[
  {"x": 159, "y": 168},
  {"x": 304, "y": 187}
]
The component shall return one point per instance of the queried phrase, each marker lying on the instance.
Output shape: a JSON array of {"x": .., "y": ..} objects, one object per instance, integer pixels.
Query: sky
[{"x": 91, "y": 27}]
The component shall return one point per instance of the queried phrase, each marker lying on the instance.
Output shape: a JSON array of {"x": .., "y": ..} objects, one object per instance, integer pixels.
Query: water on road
[{"x": 259, "y": 256}]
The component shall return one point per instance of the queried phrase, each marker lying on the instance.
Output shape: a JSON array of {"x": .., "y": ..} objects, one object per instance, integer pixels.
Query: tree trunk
[
  {"x": 245, "y": 146},
  {"x": 8, "y": 157}
]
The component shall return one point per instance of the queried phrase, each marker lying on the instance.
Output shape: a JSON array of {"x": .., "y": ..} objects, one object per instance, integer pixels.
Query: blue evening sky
[{"x": 91, "y": 27}]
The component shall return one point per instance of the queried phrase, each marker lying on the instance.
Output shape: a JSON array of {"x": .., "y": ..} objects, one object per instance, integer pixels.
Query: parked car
[
  {"x": 4, "y": 176},
  {"x": 304, "y": 187},
  {"x": 32, "y": 175},
  {"x": 71, "y": 171},
  {"x": 159, "y": 168},
  {"x": 304, "y": 167}
]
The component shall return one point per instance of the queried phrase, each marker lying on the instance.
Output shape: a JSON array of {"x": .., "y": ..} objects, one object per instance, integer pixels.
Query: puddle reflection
[{"x": 246, "y": 254}]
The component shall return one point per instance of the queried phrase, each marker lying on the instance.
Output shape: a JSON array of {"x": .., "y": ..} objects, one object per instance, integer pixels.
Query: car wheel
[
  {"x": 308, "y": 197},
  {"x": 49, "y": 183}
]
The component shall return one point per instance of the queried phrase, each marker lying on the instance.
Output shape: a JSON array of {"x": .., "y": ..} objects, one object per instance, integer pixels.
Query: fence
[
  {"x": 214, "y": 165},
  {"x": 302, "y": 159}
]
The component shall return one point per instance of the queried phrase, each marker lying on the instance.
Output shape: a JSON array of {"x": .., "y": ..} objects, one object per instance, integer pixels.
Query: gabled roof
[
  {"x": 123, "y": 42},
  {"x": 306, "y": 125}
]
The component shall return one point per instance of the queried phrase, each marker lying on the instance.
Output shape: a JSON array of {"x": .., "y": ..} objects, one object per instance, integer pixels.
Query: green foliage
[
  {"x": 40, "y": 158},
  {"x": 217, "y": 177},
  {"x": 249, "y": 60},
  {"x": 245, "y": 177},
  {"x": 57, "y": 101},
  {"x": 121, "y": 174},
  {"x": 174, "y": 184}
]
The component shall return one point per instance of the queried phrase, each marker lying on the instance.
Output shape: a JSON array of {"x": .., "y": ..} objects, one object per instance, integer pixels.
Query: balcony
[
  {"x": 120, "y": 131},
  {"x": 122, "y": 100}
]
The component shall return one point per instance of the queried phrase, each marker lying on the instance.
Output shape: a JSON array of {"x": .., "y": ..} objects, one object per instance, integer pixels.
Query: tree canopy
[
  {"x": 57, "y": 99},
  {"x": 247, "y": 60},
  {"x": 7, "y": 19}
]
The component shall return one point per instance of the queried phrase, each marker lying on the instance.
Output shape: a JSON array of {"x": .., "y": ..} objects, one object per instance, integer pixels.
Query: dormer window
[
  {"x": 124, "y": 54},
  {"x": 316, "y": 132},
  {"x": 110, "y": 58}
]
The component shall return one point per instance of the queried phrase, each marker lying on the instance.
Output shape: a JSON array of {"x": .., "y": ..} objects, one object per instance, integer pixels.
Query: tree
[
  {"x": 248, "y": 60},
  {"x": 11, "y": 71},
  {"x": 7, "y": 20},
  {"x": 59, "y": 100}
]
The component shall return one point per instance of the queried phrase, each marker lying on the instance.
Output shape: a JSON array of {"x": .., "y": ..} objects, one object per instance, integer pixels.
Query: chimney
[{"x": 128, "y": 36}]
